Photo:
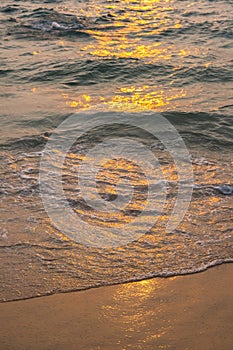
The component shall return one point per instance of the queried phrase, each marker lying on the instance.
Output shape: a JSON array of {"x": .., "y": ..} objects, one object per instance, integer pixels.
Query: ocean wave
[{"x": 212, "y": 130}]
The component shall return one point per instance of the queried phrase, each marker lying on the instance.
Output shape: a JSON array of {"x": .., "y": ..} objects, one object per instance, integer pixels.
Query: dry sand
[{"x": 185, "y": 312}]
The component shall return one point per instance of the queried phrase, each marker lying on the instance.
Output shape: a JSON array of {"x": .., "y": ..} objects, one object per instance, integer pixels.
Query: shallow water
[{"x": 61, "y": 57}]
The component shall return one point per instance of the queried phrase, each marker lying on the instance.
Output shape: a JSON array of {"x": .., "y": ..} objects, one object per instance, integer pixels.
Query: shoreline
[
  {"x": 118, "y": 283},
  {"x": 191, "y": 311}
]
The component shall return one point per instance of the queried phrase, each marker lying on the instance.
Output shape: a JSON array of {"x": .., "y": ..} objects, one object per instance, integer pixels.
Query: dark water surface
[{"x": 61, "y": 57}]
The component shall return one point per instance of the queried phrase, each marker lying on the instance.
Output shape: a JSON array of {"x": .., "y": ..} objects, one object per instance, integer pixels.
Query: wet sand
[{"x": 184, "y": 313}]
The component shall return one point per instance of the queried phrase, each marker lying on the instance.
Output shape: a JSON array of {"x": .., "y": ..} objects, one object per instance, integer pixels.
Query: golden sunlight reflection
[
  {"x": 110, "y": 174},
  {"x": 135, "y": 31},
  {"x": 148, "y": 18},
  {"x": 139, "y": 291},
  {"x": 136, "y": 309},
  {"x": 131, "y": 98}
]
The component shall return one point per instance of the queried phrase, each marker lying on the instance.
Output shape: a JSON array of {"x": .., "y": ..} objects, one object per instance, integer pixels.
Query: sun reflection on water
[
  {"x": 130, "y": 98},
  {"x": 131, "y": 30},
  {"x": 136, "y": 309}
]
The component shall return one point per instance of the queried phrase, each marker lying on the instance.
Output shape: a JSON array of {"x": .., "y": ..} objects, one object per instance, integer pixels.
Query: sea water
[{"x": 124, "y": 57}]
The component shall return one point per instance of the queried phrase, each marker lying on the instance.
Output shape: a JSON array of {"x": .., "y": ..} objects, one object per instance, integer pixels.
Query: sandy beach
[{"x": 185, "y": 312}]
